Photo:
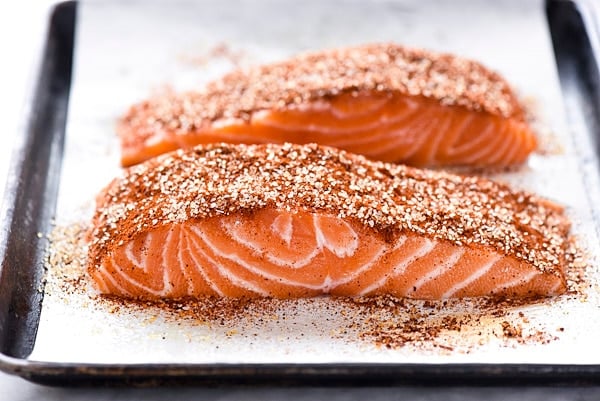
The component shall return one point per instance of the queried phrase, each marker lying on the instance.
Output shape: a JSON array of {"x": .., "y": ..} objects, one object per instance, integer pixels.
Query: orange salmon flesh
[
  {"x": 385, "y": 126},
  {"x": 276, "y": 253}
]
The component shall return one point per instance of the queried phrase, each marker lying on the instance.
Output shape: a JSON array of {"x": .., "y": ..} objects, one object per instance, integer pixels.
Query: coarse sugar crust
[
  {"x": 222, "y": 179},
  {"x": 381, "y": 67}
]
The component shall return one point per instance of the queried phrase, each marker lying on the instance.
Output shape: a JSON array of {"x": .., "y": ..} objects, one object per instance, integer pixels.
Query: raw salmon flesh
[
  {"x": 384, "y": 101},
  {"x": 307, "y": 220}
]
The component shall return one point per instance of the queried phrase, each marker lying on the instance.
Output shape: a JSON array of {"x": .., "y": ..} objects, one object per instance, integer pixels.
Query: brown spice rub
[
  {"x": 222, "y": 179},
  {"x": 385, "y": 67}
]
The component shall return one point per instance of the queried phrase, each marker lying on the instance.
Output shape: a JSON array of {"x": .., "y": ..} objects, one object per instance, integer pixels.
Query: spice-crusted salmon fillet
[
  {"x": 305, "y": 220},
  {"x": 384, "y": 101}
]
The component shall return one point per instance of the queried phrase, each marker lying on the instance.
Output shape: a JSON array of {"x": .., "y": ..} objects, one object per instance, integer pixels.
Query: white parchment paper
[{"x": 125, "y": 51}]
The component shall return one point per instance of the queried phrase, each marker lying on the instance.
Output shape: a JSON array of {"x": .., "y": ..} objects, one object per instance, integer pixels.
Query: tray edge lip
[
  {"x": 15, "y": 158},
  {"x": 481, "y": 373},
  {"x": 10, "y": 364},
  {"x": 590, "y": 14}
]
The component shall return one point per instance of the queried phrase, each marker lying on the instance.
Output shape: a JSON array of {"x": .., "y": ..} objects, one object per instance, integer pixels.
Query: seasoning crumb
[{"x": 511, "y": 331}]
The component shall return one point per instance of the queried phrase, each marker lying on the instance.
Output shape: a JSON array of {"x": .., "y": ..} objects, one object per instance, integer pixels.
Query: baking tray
[{"x": 30, "y": 201}]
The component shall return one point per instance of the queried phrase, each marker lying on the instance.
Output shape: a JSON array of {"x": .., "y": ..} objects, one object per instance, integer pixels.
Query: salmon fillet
[
  {"x": 384, "y": 101},
  {"x": 306, "y": 220}
]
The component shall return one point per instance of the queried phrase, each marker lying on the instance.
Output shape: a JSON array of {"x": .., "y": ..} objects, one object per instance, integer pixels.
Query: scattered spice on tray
[
  {"x": 385, "y": 322},
  {"x": 511, "y": 331},
  {"x": 577, "y": 262},
  {"x": 215, "y": 310},
  {"x": 66, "y": 259}
]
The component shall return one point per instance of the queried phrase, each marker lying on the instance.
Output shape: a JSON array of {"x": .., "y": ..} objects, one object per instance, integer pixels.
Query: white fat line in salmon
[
  {"x": 339, "y": 251},
  {"x": 298, "y": 264},
  {"x": 183, "y": 245},
  {"x": 555, "y": 287},
  {"x": 497, "y": 153},
  {"x": 133, "y": 257},
  {"x": 119, "y": 271},
  {"x": 321, "y": 241},
  {"x": 283, "y": 226},
  {"x": 511, "y": 152},
  {"x": 325, "y": 286},
  {"x": 490, "y": 148},
  {"x": 201, "y": 271},
  {"x": 445, "y": 266},
  {"x": 234, "y": 279},
  {"x": 397, "y": 139},
  {"x": 427, "y": 247},
  {"x": 470, "y": 147},
  {"x": 167, "y": 284},
  {"x": 437, "y": 135},
  {"x": 263, "y": 118},
  {"x": 519, "y": 280},
  {"x": 254, "y": 269},
  {"x": 105, "y": 274},
  {"x": 474, "y": 276},
  {"x": 367, "y": 266}
]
